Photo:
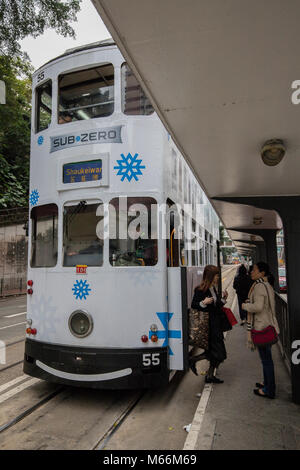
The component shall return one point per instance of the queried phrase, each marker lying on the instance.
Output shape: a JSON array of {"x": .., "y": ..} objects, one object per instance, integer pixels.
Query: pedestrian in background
[
  {"x": 241, "y": 284},
  {"x": 261, "y": 314},
  {"x": 207, "y": 299}
]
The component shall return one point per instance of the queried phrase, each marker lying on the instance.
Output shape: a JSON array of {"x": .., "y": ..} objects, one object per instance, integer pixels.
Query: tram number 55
[{"x": 151, "y": 359}]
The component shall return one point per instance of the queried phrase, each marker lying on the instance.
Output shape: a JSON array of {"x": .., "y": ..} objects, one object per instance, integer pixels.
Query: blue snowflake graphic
[
  {"x": 81, "y": 289},
  {"x": 34, "y": 197},
  {"x": 129, "y": 167}
]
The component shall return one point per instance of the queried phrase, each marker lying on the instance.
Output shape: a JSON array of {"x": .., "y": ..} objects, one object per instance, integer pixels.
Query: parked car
[{"x": 282, "y": 280}]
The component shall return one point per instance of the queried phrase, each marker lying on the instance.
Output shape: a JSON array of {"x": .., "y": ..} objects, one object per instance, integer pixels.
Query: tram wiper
[{"x": 78, "y": 208}]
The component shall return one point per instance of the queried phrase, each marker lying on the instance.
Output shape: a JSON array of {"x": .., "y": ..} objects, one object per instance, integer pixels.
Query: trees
[
  {"x": 15, "y": 131},
  {"x": 21, "y": 18},
  {"x": 18, "y": 19}
]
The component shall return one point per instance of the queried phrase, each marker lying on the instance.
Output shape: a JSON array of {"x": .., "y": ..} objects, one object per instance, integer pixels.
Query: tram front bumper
[{"x": 97, "y": 368}]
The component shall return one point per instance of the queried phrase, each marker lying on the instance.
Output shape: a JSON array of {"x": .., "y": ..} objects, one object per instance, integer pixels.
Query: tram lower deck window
[
  {"x": 44, "y": 236},
  {"x": 81, "y": 244},
  {"x": 133, "y": 231},
  {"x": 86, "y": 94}
]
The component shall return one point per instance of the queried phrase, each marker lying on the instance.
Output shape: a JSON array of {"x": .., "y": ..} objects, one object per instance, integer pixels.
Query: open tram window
[
  {"x": 86, "y": 94},
  {"x": 81, "y": 244},
  {"x": 133, "y": 231},
  {"x": 43, "y": 106},
  {"x": 44, "y": 236},
  {"x": 134, "y": 100}
]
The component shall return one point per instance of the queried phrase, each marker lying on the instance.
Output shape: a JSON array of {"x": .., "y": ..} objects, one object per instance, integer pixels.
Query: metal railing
[{"x": 283, "y": 321}]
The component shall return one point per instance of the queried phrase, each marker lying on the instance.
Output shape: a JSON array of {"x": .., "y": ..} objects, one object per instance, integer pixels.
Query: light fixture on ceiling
[
  {"x": 257, "y": 220},
  {"x": 272, "y": 152}
]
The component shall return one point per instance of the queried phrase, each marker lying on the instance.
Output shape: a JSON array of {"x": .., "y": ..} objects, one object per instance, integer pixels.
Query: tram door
[{"x": 177, "y": 303}]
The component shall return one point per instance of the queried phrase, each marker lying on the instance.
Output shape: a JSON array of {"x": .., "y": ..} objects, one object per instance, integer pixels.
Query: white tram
[{"x": 107, "y": 309}]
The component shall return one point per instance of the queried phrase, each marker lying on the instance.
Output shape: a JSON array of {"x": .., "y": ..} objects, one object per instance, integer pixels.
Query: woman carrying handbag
[
  {"x": 262, "y": 325},
  {"x": 207, "y": 300}
]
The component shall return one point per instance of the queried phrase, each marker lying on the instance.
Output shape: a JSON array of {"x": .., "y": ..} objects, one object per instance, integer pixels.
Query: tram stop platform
[{"x": 230, "y": 417}]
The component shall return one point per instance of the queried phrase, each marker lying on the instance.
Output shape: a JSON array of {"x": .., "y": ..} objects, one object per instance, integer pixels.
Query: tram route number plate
[
  {"x": 151, "y": 359},
  {"x": 81, "y": 269},
  {"x": 80, "y": 172}
]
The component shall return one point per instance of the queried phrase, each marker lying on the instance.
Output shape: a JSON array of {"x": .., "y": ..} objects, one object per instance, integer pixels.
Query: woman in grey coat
[{"x": 261, "y": 313}]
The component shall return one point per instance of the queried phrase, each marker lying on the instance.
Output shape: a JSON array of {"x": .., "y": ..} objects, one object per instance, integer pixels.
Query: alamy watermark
[
  {"x": 151, "y": 221},
  {"x": 296, "y": 353}
]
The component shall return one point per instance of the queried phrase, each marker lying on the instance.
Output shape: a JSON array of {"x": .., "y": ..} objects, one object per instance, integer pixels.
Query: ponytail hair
[{"x": 264, "y": 267}]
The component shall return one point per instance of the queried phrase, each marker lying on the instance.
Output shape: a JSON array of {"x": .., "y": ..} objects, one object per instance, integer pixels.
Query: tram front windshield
[
  {"x": 86, "y": 94},
  {"x": 133, "y": 231},
  {"x": 80, "y": 242}
]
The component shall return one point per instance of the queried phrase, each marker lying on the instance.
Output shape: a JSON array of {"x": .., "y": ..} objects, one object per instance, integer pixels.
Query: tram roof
[
  {"x": 219, "y": 75},
  {"x": 85, "y": 47}
]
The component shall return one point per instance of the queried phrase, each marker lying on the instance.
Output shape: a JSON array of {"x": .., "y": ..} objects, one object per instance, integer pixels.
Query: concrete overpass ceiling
[
  {"x": 219, "y": 74},
  {"x": 240, "y": 245},
  {"x": 238, "y": 216},
  {"x": 247, "y": 237}
]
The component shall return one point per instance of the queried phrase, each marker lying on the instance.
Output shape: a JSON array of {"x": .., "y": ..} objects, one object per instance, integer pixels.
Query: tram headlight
[{"x": 80, "y": 324}]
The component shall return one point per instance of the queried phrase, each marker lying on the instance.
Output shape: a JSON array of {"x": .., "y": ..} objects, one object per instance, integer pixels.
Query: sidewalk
[{"x": 235, "y": 418}]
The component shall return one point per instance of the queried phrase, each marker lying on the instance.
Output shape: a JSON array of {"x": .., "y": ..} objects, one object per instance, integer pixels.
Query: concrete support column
[{"x": 271, "y": 252}]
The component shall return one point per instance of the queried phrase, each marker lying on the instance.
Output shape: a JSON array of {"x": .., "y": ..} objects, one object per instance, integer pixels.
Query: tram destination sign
[
  {"x": 94, "y": 136},
  {"x": 81, "y": 172}
]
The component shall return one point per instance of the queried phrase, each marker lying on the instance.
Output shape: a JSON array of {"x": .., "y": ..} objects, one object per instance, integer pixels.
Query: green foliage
[
  {"x": 21, "y": 18},
  {"x": 18, "y": 19},
  {"x": 15, "y": 132}
]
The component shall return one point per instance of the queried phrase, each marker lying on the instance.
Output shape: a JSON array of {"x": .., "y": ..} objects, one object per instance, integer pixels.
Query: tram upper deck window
[
  {"x": 133, "y": 231},
  {"x": 43, "y": 106},
  {"x": 86, "y": 94},
  {"x": 134, "y": 100},
  {"x": 81, "y": 244},
  {"x": 44, "y": 236}
]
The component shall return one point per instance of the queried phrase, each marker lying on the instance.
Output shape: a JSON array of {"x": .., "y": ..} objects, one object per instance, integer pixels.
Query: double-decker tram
[{"x": 109, "y": 278}]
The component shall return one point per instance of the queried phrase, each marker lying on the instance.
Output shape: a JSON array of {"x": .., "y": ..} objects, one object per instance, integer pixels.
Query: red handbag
[
  {"x": 231, "y": 318},
  {"x": 265, "y": 337},
  {"x": 268, "y": 335}
]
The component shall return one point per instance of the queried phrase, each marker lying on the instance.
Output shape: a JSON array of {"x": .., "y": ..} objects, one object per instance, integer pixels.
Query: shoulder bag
[
  {"x": 198, "y": 328},
  {"x": 268, "y": 335}
]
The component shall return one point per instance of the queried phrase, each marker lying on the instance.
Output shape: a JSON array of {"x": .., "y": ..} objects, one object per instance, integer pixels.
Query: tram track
[
  {"x": 10, "y": 366},
  {"x": 103, "y": 441},
  {"x": 30, "y": 410}
]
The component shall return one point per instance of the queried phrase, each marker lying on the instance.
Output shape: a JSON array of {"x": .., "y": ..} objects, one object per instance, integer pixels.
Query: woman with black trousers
[
  {"x": 206, "y": 299},
  {"x": 242, "y": 284}
]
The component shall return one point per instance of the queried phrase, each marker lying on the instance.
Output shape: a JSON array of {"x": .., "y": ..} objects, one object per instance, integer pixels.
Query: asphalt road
[{"x": 12, "y": 318}]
